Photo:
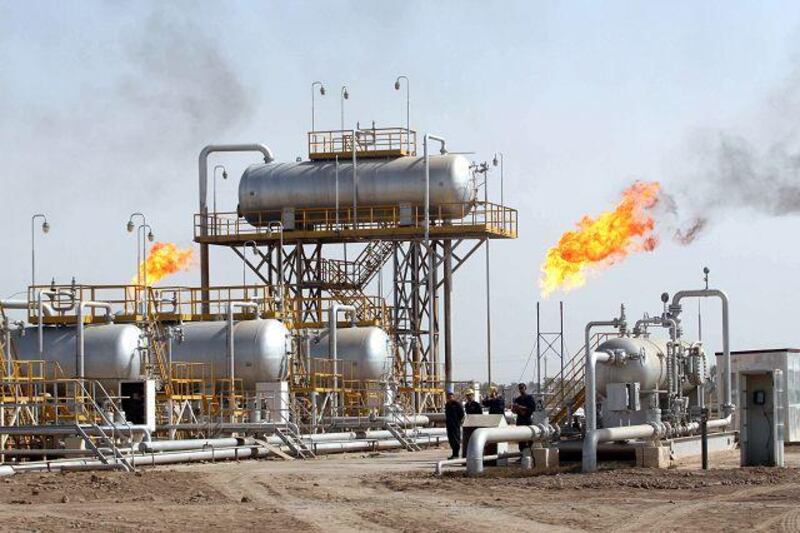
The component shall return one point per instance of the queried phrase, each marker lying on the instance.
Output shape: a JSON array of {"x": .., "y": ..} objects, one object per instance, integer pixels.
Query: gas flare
[
  {"x": 602, "y": 241},
  {"x": 164, "y": 259}
]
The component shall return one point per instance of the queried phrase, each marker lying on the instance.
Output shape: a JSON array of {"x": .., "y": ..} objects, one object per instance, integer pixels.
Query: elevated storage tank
[
  {"x": 110, "y": 350},
  {"x": 370, "y": 348},
  {"x": 383, "y": 182},
  {"x": 261, "y": 349}
]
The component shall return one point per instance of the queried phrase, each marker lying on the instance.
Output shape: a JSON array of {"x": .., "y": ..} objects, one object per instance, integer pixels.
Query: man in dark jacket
[
  {"x": 524, "y": 406},
  {"x": 454, "y": 417},
  {"x": 494, "y": 403},
  {"x": 472, "y": 408}
]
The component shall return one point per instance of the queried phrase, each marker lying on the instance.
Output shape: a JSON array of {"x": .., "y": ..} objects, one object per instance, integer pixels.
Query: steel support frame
[{"x": 418, "y": 365}]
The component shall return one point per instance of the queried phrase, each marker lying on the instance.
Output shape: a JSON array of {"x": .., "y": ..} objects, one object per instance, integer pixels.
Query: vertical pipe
[
  {"x": 431, "y": 263},
  {"x": 675, "y": 309},
  {"x": 561, "y": 339},
  {"x": 488, "y": 317},
  {"x": 590, "y": 384},
  {"x": 333, "y": 348},
  {"x": 448, "y": 327},
  {"x": 538, "y": 351},
  {"x": 203, "y": 207},
  {"x": 355, "y": 183}
]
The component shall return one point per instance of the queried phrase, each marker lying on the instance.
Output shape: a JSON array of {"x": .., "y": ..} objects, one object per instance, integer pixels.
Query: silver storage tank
[
  {"x": 261, "y": 349},
  {"x": 110, "y": 350},
  {"x": 370, "y": 348},
  {"x": 650, "y": 370},
  {"x": 384, "y": 182}
]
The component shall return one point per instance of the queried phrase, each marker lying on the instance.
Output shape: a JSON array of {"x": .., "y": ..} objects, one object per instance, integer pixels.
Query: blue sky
[{"x": 105, "y": 106}]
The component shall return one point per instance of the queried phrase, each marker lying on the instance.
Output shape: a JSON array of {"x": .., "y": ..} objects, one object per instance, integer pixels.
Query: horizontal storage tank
[
  {"x": 261, "y": 349},
  {"x": 370, "y": 348},
  {"x": 110, "y": 350},
  {"x": 650, "y": 370},
  {"x": 384, "y": 182}
]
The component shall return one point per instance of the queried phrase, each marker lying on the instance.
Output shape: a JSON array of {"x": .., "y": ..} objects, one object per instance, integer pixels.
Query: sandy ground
[{"x": 398, "y": 492}]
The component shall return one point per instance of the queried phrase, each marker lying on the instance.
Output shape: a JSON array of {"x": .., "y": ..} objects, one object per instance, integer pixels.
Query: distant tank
[
  {"x": 111, "y": 351},
  {"x": 370, "y": 348},
  {"x": 384, "y": 182},
  {"x": 261, "y": 349}
]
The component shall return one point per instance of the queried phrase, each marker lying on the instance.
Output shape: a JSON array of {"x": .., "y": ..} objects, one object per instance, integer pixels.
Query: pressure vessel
[
  {"x": 369, "y": 348},
  {"x": 111, "y": 351},
  {"x": 648, "y": 367},
  {"x": 381, "y": 182},
  {"x": 261, "y": 349}
]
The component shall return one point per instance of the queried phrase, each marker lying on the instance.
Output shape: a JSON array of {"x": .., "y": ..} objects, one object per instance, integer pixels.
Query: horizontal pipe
[
  {"x": 457, "y": 462},
  {"x": 240, "y": 452},
  {"x": 73, "y": 430},
  {"x": 23, "y": 304},
  {"x": 483, "y": 436}
]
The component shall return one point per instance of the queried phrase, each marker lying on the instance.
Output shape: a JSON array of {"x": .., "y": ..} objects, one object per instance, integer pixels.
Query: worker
[
  {"x": 524, "y": 405},
  {"x": 494, "y": 403},
  {"x": 454, "y": 417},
  {"x": 471, "y": 407}
]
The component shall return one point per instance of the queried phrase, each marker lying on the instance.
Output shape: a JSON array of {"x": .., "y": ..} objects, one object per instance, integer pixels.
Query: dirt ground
[{"x": 399, "y": 492}]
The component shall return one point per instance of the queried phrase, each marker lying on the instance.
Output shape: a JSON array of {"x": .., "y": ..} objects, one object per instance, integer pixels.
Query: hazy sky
[{"x": 105, "y": 106}]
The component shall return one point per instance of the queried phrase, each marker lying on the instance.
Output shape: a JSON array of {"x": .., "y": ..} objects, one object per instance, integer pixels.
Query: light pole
[
  {"x": 45, "y": 229},
  {"x": 408, "y": 110},
  {"x": 224, "y": 176},
  {"x": 313, "y": 94},
  {"x": 344, "y": 96},
  {"x": 494, "y": 162},
  {"x": 131, "y": 226}
]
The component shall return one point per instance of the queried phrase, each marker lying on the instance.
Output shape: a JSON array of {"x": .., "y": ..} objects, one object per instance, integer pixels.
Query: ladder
[
  {"x": 296, "y": 444},
  {"x": 156, "y": 336}
]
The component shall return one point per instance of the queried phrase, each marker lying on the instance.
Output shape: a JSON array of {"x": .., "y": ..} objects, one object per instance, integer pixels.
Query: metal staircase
[
  {"x": 346, "y": 280},
  {"x": 399, "y": 434},
  {"x": 294, "y": 442},
  {"x": 119, "y": 460},
  {"x": 564, "y": 396}
]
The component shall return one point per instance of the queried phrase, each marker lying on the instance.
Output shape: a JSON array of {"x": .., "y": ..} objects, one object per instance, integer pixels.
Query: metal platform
[
  {"x": 375, "y": 143},
  {"x": 457, "y": 221}
]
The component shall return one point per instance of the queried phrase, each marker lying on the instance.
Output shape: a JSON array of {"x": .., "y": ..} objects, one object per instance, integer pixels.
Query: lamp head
[
  {"x": 150, "y": 236},
  {"x": 45, "y": 227},
  {"x": 130, "y": 226},
  {"x": 495, "y": 161},
  {"x": 345, "y": 94},
  {"x": 397, "y": 84},
  {"x": 224, "y": 174},
  {"x": 321, "y": 89}
]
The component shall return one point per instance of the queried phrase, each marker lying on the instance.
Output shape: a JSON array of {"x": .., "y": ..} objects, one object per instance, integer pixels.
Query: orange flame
[
  {"x": 602, "y": 241},
  {"x": 164, "y": 259}
]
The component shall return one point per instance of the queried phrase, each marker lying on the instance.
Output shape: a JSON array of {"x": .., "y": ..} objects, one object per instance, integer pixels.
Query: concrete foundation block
[
  {"x": 652, "y": 457},
  {"x": 544, "y": 459}
]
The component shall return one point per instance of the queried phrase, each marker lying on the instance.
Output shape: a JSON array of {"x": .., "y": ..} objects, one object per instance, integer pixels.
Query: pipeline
[
  {"x": 213, "y": 454},
  {"x": 483, "y": 436},
  {"x": 675, "y": 308}
]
